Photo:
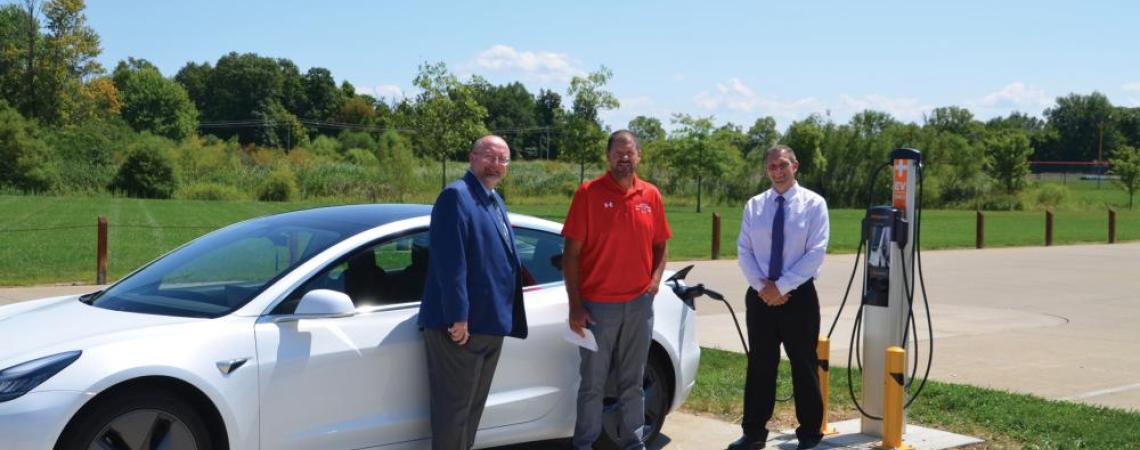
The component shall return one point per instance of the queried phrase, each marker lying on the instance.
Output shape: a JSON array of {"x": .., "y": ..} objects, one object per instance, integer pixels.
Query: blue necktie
[
  {"x": 776, "y": 261},
  {"x": 500, "y": 219}
]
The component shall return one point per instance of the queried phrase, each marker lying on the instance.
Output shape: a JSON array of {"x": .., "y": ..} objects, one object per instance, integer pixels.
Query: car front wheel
[{"x": 136, "y": 421}]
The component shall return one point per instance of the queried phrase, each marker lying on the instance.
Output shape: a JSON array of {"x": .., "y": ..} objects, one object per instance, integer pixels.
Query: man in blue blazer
[{"x": 473, "y": 295}]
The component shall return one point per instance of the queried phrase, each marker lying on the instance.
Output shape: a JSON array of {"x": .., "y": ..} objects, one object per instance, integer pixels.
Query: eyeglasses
[
  {"x": 779, "y": 166},
  {"x": 500, "y": 160}
]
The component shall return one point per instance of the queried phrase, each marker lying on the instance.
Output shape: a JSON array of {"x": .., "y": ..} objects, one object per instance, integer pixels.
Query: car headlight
[{"x": 21, "y": 378}]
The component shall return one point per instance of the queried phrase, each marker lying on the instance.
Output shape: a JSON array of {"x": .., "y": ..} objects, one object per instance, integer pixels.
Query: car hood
[{"x": 39, "y": 328}]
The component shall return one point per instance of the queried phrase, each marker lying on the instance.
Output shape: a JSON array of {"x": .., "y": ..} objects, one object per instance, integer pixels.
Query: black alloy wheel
[{"x": 147, "y": 420}]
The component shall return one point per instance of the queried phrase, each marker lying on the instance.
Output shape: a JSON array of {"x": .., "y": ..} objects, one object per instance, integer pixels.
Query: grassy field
[
  {"x": 1005, "y": 420},
  {"x": 52, "y": 239}
]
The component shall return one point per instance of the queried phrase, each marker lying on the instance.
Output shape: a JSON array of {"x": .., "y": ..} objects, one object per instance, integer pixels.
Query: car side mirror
[{"x": 321, "y": 304}]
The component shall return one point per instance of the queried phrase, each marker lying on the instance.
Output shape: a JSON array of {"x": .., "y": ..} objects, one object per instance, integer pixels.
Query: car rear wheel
[
  {"x": 136, "y": 421},
  {"x": 656, "y": 387}
]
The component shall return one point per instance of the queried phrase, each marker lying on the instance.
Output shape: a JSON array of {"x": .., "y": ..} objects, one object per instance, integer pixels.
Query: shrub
[
  {"x": 279, "y": 186},
  {"x": 148, "y": 172},
  {"x": 1051, "y": 194},
  {"x": 360, "y": 157},
  {"x": 209, "y": 191},
  {"x": 1003, "y": 202},
  {"x": 24, "y": 160}
]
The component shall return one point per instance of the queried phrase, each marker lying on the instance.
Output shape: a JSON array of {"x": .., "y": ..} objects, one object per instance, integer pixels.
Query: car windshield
[{"x": 222, "y": 271}]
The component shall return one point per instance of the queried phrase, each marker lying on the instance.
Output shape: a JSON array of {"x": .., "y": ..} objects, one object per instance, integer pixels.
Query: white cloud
[
  {"x": 632, "y": 107},
  {"x": 902, "y": 108},
  {"x": 737, "y": 97},
  {"x": 1015, "y": 95},
  {"x": 1132, "y": 87},
  {"x": 542, "y": 66},
  {"x": 734, "y": 95},
  {"x": 679, "y": 76},
  {"x": 386, "y": 91}
]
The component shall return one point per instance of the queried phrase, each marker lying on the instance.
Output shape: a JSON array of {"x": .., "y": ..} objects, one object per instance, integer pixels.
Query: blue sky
[{"x": 736, "y": 61}]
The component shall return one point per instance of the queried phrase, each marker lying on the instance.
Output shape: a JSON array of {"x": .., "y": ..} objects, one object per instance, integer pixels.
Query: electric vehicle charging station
[{"x": 888, "y": 284}]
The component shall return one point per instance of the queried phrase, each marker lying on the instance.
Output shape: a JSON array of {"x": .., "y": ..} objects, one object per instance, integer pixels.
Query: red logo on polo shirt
[{"x": 644, "y": 208}]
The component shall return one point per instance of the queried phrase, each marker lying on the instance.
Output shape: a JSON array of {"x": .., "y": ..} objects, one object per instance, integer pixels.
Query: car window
[
  {"x": 220, "y": 272},
  {"x": 541, "y": 256},
  {"x": 386, "y": 273}
]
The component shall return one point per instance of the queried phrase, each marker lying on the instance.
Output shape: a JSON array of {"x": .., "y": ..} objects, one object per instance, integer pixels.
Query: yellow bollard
[
  {"x": 823, "y": 354},
  {"x": 893, "y": 400}
]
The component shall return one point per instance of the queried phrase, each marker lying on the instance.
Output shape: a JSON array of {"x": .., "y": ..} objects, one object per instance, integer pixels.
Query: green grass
[
  {"x": 52, "y": 239},
  {"x": 1003, "y": 419}
]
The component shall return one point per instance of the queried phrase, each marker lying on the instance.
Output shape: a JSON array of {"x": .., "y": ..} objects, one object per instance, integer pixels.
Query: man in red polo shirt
[{"x": 614, "y": 257}]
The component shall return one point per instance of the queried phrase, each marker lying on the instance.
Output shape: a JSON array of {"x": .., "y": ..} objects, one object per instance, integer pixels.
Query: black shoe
[
  {"x": 810, "y": 442},
  {"x": 748, "y": 443}
]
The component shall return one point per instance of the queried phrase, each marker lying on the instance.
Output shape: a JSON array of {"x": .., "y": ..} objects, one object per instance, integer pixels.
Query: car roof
[{"x": 366, "y": 216}]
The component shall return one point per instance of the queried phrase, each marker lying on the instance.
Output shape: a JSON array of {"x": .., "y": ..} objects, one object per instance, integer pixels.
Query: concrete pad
[{"x": 848, "y": 437}]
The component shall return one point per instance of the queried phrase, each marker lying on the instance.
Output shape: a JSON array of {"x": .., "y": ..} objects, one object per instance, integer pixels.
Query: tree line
[{"x": 57, "y": 99}]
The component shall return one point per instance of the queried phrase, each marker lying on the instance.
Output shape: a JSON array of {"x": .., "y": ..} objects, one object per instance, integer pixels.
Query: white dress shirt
[{"x": 805, "y": 237}]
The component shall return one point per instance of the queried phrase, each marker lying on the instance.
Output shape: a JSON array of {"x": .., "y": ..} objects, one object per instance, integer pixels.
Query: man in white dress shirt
[{"x": 783, "y": 237}]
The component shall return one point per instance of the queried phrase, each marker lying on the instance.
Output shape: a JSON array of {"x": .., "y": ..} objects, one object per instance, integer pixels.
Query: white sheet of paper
[{"x": 588, "y": 342}]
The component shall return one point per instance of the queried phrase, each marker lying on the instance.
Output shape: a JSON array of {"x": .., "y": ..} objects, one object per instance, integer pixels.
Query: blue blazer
[{"x": 473, "y": 269}]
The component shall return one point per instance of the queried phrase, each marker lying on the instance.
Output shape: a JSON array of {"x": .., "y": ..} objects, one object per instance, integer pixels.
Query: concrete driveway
[{"x": 1059, "y": 322}]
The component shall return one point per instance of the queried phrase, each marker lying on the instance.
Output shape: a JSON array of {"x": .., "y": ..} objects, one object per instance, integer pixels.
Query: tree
[
  {"x": 322, "y": 98},
  {"x": 13, "y": 52},
  {"x": 1007, "y": 159},
  {"x": 1126, "y": 165},
  {"x": 647, "y": 129},
  {"x": 579, "y": 139},
  {"x": 548, "y": 115},
  {"x": 696, "y": 153},
  {"x": 956, "y": 120},
  {"x": 1081, "y": 121},
  {"x": 510, "y": 113},
  {"x": 447, "y": 118},
  {"x": 239, "y": 86},
  {"x": 280, "y": 128},
  {"x": 151, "y": 102},
  {"x": 762, "y": 135},
  {"x": 50, "y": 67},
  {"x": 356, "y": 110},
  {"x": 98, "y": 101},
  {"x": 195, "y": 78},
  {"x": 806, "y": 138}
]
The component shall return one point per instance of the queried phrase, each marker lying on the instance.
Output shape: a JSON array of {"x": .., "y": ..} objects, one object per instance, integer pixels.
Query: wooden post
[
  {"x": 1049, "y": 227},
  {"x": 980, "y": 231},
  {"x": 1111, "y": 226},
  {"x": 101, "y": 253},
  {"x": 716, "y": 235}
]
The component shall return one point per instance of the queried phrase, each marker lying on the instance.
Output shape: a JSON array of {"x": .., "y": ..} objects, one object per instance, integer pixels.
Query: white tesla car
[{"x": 296, "y": 331}]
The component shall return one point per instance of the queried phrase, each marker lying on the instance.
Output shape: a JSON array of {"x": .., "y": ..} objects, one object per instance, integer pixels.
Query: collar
[
  {"x": 788, "y": 195},
  {"x": 610, "y": 183},
  {"x": 489, "y": 194}
]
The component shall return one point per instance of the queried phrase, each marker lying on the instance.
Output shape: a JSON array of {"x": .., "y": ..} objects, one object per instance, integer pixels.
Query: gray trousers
[
  {"x": 623, "y": 332},
  {"x": 459, "y": 378}
]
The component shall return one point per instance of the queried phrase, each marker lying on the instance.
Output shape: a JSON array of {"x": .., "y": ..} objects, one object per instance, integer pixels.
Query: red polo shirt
[{"x": 617, "y": 229}]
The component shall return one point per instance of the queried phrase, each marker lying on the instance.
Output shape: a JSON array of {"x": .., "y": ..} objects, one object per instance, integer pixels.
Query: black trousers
[
  {"x": 459, "y": 378},
  {"x": 796, "y": 325}
]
